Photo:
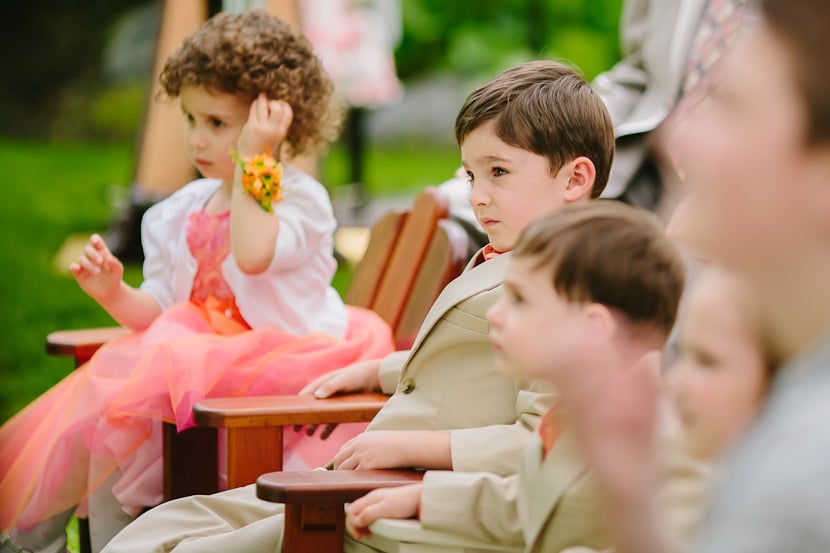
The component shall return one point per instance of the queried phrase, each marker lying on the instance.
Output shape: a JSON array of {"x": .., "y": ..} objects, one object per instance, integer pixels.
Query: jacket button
[{"x": 408, "y": 386}]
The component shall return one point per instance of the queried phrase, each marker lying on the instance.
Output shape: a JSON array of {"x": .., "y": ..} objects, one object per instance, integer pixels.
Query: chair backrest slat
[
  {"x": 369, "y": 272},
  {"x": 408, "y": 254},
  {"x": 444, "y": 260},
  {"x": 411, "y": 256}
]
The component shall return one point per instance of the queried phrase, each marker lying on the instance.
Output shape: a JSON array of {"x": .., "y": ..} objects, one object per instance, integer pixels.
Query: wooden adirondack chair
[
  {"x": 399, "y": 279},
  {"x": 315, "y": 518},
  {"x": 411, "y": 256}
]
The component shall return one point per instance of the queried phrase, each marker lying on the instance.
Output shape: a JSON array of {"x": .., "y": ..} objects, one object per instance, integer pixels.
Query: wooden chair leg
[
  {"x": 84, "y": 540},
  {"x": 251, "y": 452},
  {"x": 191, "y": 462},
  {"x": 316, "y": 527}
]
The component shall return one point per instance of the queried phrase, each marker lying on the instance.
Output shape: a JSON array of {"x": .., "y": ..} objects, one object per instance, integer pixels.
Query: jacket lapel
[
  {"x": 550, "y": 480},
  {"x": 472, "y": 281}
]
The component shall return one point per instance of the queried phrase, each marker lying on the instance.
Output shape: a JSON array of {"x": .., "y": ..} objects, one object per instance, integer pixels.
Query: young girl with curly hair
[{"x": 236, "y": 298}]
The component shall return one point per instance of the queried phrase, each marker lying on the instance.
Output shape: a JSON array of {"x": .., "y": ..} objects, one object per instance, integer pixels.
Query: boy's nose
[
  {"x": 478, "y": 196},
  {"x": 494, "y": 314}
]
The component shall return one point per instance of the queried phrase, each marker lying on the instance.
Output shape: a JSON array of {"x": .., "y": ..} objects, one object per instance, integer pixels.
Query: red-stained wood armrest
[
  {"x": 254, "y": 426},
  {"x": 81, "y": 344},
  {"x": 241, "y": 412},
  {"x": 314, "y": 501}
]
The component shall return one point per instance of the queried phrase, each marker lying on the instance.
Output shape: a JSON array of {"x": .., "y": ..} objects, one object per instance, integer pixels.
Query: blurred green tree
[
  {"x": 484, "y": 37},
  {"x": 48, "y": 46},
  {"x": 52, "y": 70}
]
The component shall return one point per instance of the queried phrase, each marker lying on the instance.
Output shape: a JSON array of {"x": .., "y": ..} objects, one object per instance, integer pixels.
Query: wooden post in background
[{"x": 162, "y": 166}]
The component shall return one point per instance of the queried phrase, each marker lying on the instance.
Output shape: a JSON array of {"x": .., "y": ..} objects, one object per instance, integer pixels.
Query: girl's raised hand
[
  {"x": 267, "y": 125},
  {"x": 97, "y": 271}
]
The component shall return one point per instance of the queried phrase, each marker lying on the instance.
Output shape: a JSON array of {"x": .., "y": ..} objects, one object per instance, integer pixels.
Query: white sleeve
[
  {"x": 157, "y": 241},
  {"x": 306, "y": 220}
]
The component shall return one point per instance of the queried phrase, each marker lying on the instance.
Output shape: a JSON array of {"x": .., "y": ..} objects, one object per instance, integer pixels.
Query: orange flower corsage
[{"x": 261, "y": 178}]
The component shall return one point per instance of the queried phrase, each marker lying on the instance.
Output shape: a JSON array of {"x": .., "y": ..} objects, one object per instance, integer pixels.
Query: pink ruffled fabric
[{"x": 107, "y": 415}]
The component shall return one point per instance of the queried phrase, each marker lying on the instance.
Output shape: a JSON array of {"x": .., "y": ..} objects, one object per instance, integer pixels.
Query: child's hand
[
  {"x": 403, "y": 502},
  {"x": 381, "y": 449},
  {"x": 359, "y": 377},
  {"x": 97, "y": 271},
  {"x": 267, "y": 125}
]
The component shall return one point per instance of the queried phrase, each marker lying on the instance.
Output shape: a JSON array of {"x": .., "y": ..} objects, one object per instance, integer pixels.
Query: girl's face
[
  {"x": 213, "y": 121},
  {"x": 720, "y": 378},
  {"x": 511, "y": 187}
]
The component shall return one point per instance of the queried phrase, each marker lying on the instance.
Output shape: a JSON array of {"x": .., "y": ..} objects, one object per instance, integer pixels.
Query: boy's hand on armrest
[
  {"x": 358, "y": 377},
  {"x": 403, "y": 502},
  {"x": 391, "y": 449}
]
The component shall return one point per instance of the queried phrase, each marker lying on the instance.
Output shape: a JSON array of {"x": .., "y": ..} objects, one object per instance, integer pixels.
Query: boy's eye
[
  {"x": 190, "y": 119},
  {"x": 498, "y": 171},
  {"x": 515, "y": 297},
  {"x": 217, "y": 123},
  {"x": 704, "y": 359},
  {"x": 470, "y": 176}
]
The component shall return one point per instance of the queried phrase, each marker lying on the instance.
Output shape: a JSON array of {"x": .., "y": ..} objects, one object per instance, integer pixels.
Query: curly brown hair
[{"x": 255, "y": 52}]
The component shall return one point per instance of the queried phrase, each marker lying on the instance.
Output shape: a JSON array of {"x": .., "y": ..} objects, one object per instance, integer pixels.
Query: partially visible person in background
[
  {"x": 672, "y": 60},
  {"x": 356, "y": 41},
  {"x": 758, "y": 166}
]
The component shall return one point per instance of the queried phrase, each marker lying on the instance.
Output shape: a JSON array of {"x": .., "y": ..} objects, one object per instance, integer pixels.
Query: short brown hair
[
  {"x": 609, "y": 253},
  {"x": 546, "y": 108},
  {"x": 802, "y": 26},
  {"x": 255, "y": 52}
]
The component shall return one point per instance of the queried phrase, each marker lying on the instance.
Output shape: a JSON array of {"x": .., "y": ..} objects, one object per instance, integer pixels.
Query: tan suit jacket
[
  {"x": 549, "y": 505},
  {"x": 552, "y": 504},
  {"x": 448, "y": 380}
]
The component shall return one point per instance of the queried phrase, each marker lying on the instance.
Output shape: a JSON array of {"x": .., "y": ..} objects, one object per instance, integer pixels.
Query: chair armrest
[
  {"x": 314, "y": 515},
  {"x": 81, "y": 344},
  {"x": 387, "y": 532},
  {"x": 329, "y": 486},
  {"x": 244, "y": 412}
]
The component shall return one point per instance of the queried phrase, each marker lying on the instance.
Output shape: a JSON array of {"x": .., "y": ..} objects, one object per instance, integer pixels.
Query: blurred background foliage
[{"x": 80, "y": 71}]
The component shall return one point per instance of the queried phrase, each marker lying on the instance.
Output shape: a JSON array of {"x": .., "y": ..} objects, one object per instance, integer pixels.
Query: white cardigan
[{"x": 293, "y": 294}]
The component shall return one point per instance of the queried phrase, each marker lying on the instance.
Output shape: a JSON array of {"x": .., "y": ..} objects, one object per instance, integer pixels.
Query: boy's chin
[
  {"x": 501, "y": 365},
  {"x": 505, "y": 368}
]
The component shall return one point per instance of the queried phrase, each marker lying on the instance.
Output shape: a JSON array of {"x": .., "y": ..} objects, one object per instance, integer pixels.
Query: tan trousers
[{"x": 235, "y": 520}]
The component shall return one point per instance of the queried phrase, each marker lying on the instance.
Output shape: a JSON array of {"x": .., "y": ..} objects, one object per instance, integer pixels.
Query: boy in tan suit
[
  {"x": 533, "y": 139},
  {"x": 596, "y": 283}
]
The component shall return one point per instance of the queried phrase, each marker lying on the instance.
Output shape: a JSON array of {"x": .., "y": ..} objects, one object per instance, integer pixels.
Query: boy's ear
[
  {"x": 581, "y": 173},
  {"x": 600, "y": 319}
]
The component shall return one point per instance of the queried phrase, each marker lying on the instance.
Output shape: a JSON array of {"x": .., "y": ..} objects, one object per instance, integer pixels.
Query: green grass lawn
[{"x": 53, "y": 190}]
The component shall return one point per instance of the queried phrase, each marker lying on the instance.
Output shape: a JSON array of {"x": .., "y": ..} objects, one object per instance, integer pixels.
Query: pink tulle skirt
[{"x": 107, "y": 415}]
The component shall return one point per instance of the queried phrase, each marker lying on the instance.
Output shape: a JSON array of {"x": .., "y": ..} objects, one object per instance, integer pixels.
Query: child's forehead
[
  {"x": 483, "y": 145},
  {"x": 206, "y": 99},
  {"x": 528, "y": 272}
]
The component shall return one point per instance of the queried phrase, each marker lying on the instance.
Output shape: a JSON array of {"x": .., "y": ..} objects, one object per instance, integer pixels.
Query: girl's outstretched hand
[
  {"x": 267, "y": 125},
  {"x": 97, "y": 271}
]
